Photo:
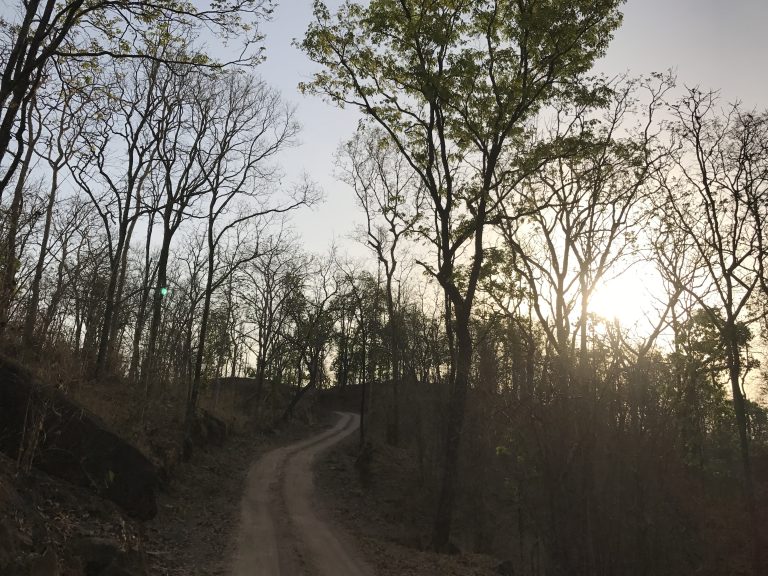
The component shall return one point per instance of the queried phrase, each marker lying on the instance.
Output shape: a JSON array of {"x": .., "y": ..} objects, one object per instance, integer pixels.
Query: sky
[{"x": 718, "y": 44}]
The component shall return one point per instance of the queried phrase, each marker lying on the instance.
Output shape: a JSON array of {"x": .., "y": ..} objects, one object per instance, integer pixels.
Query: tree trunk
[
  {"x": 109, "y": 309},
  {"x": 8, "y": 280},
  {"x": 393, "y": 422},
  {"x": 157, "y": 310},
  {"x": 121, "y": 284},
  {"x": 313, "y": 371},
  {"x": 196, "y": 380},
  {"x": 143, "y": 301},
  {"x": 34, "y": 299},
  {"x": 111, "y": 303},
  {"x": 363, "y": 393},
  {"x": 454, "y": 425},
  {"x": 55, "y": 299},
  {"x": 739, "y": 407}
]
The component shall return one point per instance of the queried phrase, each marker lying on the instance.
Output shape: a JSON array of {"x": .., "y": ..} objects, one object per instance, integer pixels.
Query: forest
[{"x": 148, "y": 252}]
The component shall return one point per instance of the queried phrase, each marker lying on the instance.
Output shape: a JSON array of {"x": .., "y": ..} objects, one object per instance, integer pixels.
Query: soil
[
  {"x": 194, "y": 532},
  {"x": 44, "y": 520},
  {"x": 281, "y": 533},
  {"x": 215, "y": 506},
  {"x": 325, "y": 522},
  {"x": 339, "y": 526},
  {"x": 391, "y": 531}
]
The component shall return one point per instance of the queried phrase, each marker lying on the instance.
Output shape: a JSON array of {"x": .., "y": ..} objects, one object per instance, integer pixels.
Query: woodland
[{"x": 147, "y": 249}]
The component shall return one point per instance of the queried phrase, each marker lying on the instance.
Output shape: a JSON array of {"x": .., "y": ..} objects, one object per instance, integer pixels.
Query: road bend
[{"x": 281, "y": 533}]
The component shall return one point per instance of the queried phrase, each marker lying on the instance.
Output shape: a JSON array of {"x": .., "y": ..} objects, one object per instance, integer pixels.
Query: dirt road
[{"x": 281, "y": 534}]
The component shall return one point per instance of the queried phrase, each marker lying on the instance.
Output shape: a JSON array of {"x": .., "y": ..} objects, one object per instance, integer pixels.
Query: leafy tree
[
  {"x": 452, "y": 84},
  {"x": 700, "y": 361},
  {"x": 313, "y": 317}
]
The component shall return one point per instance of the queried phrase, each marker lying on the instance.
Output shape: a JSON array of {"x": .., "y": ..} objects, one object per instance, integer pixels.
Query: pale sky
[{"x": 717, "y": 44}]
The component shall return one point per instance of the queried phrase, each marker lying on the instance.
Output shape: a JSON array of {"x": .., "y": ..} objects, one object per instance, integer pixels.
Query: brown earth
[
  {"x": 301, "y": 510},
  {"x": 195, "y": 530},
  {"x": 280, "y": 531},
  {"x": 384, "y": 512},
  {"x": 343, "y": 527},
  {"x": 49, "y": 527}
]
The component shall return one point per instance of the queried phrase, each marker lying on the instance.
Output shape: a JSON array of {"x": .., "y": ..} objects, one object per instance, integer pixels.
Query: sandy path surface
[{"x": 281, "y": 534}]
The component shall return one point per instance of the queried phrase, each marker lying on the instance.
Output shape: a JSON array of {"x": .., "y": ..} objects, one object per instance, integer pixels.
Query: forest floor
[
  {"x": 258, "y": 488},
  {"x": 53, "y": 528},
  {"x": 194, "y": 532},
  {"x": 305, "y": 473},
  {"x": 373, "y": 507}
]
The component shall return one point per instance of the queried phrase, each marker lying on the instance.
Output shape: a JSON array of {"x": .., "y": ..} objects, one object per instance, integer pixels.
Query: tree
[
  {"x": 390, "y": 195},
  {"x": 716, "y": 198},
  {"x": 452, "y": 85},
  {"x": 44, "y": 30},
  {"x": 251, "y": 125},
  {"x": 313, "y": 317},
  {"x": 700, "y": 360},
  {"x": 130, "y": 98},
  {"x": 186, "y": 147},
  {"x": 578, "y": 217},
  {"x": 9, "y": 256},
  {"x": 268, "y": 292},
  {"x": 360, "y": 293},
  {"x": 62, "y": 118}
]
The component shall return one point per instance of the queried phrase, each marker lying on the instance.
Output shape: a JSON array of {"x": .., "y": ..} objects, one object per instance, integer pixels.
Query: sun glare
[{"x": 628, "y": 298}]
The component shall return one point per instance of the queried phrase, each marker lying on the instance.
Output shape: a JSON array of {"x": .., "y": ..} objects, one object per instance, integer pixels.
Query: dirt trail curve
[{"x": 280, "y": 533}]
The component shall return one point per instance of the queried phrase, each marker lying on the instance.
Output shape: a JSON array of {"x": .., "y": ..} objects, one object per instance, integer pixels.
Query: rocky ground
[{"x": 50, "y": 528}]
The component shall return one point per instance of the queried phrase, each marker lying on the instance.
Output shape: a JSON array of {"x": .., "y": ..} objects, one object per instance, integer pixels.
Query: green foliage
[
  {"x": 480, "y": 58},
  {"x": 702, "y": 340},
  {"x": 448, "y": 79}
]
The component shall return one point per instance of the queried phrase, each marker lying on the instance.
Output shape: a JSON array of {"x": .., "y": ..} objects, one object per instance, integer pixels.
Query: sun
[{"x": 630, "y": 298}]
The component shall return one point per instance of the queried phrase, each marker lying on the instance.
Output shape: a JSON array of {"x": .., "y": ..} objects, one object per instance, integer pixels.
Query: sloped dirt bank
[
  {"x": 40, "y": 427},
  {"x": 193, "y": 531},
  {"x": 390, "y": 530},
  {"x": 49, "y": 528},
  {"x": 76, "y": 498}
]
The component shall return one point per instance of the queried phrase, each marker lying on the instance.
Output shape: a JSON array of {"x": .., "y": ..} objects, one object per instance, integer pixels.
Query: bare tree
[
  {"x": 184, "y": 141},
  {"x": 268, "y": 291},
  {"x": 577, "y": 219},
  {"x": 129, "y": 99},
  {"x": 41, "y": 31},
  {"x": 62, "y": 118},
  {"x": 8, "y": 276},
  {"x": 718, "y": 187},
  {"x": 250, "y": 125},
  {"x": 390, "y": 194}
]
